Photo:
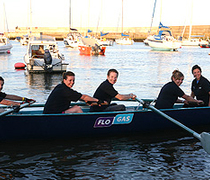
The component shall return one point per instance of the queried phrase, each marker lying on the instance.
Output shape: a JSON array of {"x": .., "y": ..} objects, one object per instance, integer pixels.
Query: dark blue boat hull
[{"x": 60, "y": 126}]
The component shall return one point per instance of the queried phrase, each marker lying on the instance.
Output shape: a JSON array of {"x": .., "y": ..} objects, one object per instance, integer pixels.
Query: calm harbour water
[{"x": 142, "y": 72}]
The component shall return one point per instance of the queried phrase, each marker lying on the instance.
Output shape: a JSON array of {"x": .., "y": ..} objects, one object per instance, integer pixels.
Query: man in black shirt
[
  {"x": 60, "y": 98},
  {"x": 106, "y": 92}
]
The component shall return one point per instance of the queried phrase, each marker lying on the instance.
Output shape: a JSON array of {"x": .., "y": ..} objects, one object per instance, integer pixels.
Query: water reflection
[{"x": 43, "y": 81}]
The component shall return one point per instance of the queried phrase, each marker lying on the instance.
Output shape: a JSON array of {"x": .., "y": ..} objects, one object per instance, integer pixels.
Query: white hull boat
[
  {"x": 24, "y": 40},
  {"x": 194, "y": 42},
  {"x": 73, "y": 40},
  {"x": 43, "y": 56},
  {"x": 5, "y": 44},
  {"x": 164, "y": 41},
  {"x": 124, "y": 41}
]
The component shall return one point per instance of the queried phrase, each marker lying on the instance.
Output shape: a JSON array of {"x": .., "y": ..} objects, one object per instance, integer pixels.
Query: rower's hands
[
  {"x": 98, "y": 103},
  {"x": 200, "y": 102},
  {"x": 101, "y": 102},
  {"x": 132, "y": 96},
  {"x": 26, "y": 100}
]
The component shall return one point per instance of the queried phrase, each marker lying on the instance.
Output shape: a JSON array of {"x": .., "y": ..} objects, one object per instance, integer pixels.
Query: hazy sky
[{"x": 102, "y": 13}]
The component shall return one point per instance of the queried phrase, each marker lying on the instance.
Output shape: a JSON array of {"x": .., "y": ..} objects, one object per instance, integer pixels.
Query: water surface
[{"x": 142, "y": 72}]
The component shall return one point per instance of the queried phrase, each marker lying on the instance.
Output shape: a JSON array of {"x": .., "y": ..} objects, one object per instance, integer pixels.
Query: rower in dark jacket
[
  {"x": 200, "y": 86},
  {"x": 107, "y": 92},
  {"x": 171, "y": 91},
  {"x": 59, "y": 100}
]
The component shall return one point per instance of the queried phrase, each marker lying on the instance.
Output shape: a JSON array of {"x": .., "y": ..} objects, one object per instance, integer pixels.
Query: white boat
[
  {"x": 194, "y": 42},
  {"x": 164, "y": 41},
  {"x": 146, "y": 41},
  {"x": 105, "y": 42},
  {"x": 124, "y": 40},
  {"x": 5, "y": 44},
  {"x": 43, "y": 56},
  {"x": 73, "y": 39},
  {"x": 24, "y": 40}
]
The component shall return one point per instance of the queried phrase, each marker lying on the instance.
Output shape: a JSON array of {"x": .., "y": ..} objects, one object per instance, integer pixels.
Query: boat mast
[
  {"x": 69, "y": 15},
  {"x": 153, "y": 14},
  {"x": 30, "y": 18},
  {"x": 190, "y": 31},
  {"x": 122, "y": 16}
]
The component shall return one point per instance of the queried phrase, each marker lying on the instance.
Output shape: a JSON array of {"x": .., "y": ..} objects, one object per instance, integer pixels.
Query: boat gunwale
[{"x": 141, "y": 110}]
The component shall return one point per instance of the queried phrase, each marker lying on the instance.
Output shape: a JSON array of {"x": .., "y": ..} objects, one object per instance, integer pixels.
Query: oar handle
[{"x": 14, "y": 109}]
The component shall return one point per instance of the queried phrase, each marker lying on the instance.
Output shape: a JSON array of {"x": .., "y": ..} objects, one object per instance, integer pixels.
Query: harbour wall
[{"x": 136, "y": 33}]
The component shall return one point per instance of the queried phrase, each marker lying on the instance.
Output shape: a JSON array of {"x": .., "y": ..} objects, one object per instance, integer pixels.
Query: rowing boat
[{"x": 31, "y": 123}]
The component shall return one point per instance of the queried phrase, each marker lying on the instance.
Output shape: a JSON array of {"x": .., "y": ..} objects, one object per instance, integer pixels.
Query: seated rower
[
  {"x": 9, "y": 99},
  {"x": 60, "y": 98},
  {"x": 106, "y": 92},
  {"x": 200, "y": 87},
  {"x": 171, "y": 91}
]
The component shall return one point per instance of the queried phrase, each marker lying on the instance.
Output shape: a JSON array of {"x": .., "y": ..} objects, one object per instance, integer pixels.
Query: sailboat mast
[
  {"x": 153, "y": 14},
  {"x": 69, "y": 15},
  {"x": 122, "y": 16},
  {"x": 190, "y": 31},
  {"x": 30, "y": 17}
]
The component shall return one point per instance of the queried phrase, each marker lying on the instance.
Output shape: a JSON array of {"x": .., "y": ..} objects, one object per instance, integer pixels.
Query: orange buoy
[{"x": 20, "y": 65}]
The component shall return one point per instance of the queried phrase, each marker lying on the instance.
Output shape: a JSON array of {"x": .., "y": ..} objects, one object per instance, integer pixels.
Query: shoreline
[{"x": 138, "y": 34}]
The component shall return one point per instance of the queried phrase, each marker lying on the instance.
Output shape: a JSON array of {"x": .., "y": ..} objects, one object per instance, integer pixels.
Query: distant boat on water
[
  {"x": 73, "y": 39},
  {"x": 164, "y": 41},
  {"x": 193, "y": 40},
  {"x": 124, "y": 40},
  {"x": 5, "y": 44},
  {"x": 91, "y": 47},
  {"x": 24, "y": 40}
]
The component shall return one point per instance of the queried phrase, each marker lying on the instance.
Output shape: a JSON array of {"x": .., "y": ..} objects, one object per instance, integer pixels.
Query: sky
[{"x": 102, "y": 13}]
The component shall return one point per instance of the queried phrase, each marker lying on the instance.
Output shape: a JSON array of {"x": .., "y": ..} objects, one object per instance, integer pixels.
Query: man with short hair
[
  {"x": 106, "y": 92},
  {"x": 60, "y": 98}
]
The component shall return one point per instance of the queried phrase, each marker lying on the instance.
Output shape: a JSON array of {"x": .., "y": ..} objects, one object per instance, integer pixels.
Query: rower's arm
[
  {"x": 191, "y": 99},
  {"x": 13, "y": 97},
  {"x": 9, "y": 103},
  {"x": 88, "y": 98},
  {"x": 125, "y": 96}
]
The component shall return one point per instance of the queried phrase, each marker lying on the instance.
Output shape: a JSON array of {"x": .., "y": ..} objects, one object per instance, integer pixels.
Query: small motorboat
[
  {"x": 43, "y": 56},
  {"x": 91, "y": 47}
]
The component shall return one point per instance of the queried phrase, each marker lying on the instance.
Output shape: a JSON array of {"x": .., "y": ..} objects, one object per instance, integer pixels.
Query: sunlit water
[{"x": 142, "y": 72}]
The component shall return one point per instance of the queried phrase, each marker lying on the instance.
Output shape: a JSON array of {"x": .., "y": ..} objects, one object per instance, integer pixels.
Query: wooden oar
[
  {"x": 204, "y": 137},
  {"x": 13, "y": 109}
]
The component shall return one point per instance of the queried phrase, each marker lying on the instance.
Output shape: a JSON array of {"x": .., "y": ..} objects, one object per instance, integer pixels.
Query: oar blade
[{"x": 205, "y": 141}]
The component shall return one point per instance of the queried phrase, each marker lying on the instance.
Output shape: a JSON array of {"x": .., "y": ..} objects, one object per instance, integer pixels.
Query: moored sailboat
[
  {"x": 124, "y": 40},
  {"x": 164, "y": 41},
  {"x": 5, "y": 44},
  {"x": 193, "y": 40}
]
